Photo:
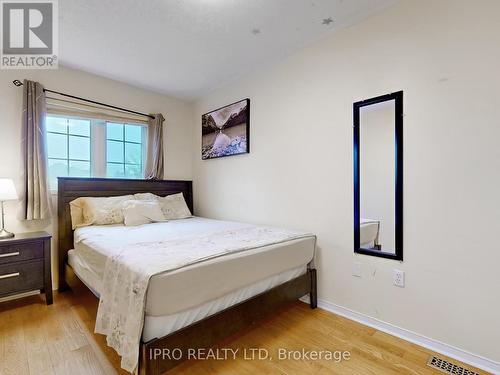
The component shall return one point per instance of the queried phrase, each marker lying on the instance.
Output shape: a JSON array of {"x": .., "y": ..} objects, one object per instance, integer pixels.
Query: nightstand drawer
[
  {"x": 21, "y": 251},
  {"x": 19, "y": 277}
]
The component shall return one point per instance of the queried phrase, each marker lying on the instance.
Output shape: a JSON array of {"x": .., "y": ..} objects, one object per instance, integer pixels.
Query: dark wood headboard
[{"x": 70, "y": 188}]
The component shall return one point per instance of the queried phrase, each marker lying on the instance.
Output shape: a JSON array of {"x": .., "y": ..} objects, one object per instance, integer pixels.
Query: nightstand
[{"x": 25, "y": 264}]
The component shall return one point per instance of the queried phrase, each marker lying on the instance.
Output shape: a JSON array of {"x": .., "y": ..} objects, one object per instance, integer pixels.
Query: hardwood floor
[{"x": 58, "y": 339}]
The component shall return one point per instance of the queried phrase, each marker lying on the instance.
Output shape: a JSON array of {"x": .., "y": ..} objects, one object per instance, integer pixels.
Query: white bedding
[
  {"x": 174, "y": 246},
  {"x": 369, "y": 232},
  {"x": 199, "y": 283}
]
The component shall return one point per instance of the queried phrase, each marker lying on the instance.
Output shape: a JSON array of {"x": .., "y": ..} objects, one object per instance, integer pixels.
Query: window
[
  {"x": 79, "y": 147},
  {"x": 68, "y": 148},
  {"x": 124, "y": 150}
]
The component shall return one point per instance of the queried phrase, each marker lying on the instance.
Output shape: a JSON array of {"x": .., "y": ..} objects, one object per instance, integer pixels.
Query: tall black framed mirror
[{"x": 378, "y": 176}]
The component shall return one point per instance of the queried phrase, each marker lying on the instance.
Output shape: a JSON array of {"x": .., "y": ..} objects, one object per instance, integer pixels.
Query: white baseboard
[{"x": 415, "y": 338}]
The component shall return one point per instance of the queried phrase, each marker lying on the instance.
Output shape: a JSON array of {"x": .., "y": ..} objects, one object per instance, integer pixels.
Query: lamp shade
[{"x": 7, "y": 190}]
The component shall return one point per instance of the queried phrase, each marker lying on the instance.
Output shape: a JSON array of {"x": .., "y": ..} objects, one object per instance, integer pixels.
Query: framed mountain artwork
[{"x": 226, "y": 131}]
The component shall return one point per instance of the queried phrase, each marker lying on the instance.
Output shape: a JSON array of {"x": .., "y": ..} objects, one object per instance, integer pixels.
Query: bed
[
  {"x": 369, "y": 233},
  {"x": 195, "y": 306}
]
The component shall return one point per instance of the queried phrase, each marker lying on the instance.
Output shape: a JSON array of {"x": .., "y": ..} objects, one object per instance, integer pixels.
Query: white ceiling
[{"x": 185, "y": 48}]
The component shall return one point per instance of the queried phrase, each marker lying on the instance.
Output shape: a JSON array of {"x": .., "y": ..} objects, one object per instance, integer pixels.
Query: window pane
[
  {"x": 114, "y": 170},
  {"x": 114, "y": 131},
  {"x": 79, "y": 148},
  {"x": 133, "y": 133},
  {"x": 57, "y": 168},
  {"x": 56, "y": 124},
  {"x": 133, "y": 171},
  {"x": 79, "y": 127},
  {"x": 79, "y": 168},
  {"x": 57, "y": 146},
  {"x": 133, "y": 153},
  {"x": 70, "y": 152},
  {"x": 114, "y": 151}
]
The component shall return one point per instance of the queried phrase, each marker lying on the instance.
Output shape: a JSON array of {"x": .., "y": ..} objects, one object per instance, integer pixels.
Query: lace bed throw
[{"x": 120, "y": 315}]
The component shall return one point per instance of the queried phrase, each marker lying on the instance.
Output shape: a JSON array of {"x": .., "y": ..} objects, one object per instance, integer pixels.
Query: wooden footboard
[
  {"x": 154, "y": 357},
  {"x": 208, "y": 332}
]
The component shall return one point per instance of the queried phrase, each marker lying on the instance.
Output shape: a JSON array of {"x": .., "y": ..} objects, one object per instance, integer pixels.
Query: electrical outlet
[
  {"x": 356, "y": 269},
  {"x": 399, "y": 278}
]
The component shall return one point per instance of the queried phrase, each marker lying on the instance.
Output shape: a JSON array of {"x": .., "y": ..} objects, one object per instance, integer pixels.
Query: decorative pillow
[
  {"x": 76, "y": 211},
  {"x": 138, "y": 212},
  {"x": 97, "y": 210},
  {"x": 105, "y": 210},
  {"x": 174, "y": 207},
  {"x": 146, "y": 196}
]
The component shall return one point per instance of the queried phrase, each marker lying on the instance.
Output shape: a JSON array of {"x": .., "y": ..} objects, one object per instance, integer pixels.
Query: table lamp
[{"x": 7, "y": 193}]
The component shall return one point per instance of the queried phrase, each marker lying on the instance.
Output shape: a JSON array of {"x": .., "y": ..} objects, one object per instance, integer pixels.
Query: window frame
[
  {"x": 68, "y": 159},
  {"x": 98, "y": 146},
  {"x": 125, "y": 142}
]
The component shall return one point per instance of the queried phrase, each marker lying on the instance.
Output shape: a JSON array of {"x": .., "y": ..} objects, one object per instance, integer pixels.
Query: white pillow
[
  {"x": 146, "y": 196},
  {"x": 138, "y": 212},
  {"x": 174, "y": 207},
  {"x": 76, "y": 211},
  {"x": 97, "y": 210}
]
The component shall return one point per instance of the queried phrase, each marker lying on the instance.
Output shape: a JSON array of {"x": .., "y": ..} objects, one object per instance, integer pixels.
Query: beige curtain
[
  {"x": 72, "y": 107},
  {"x": 154, "y": 160},
  {"x": 35, "y": 197}
]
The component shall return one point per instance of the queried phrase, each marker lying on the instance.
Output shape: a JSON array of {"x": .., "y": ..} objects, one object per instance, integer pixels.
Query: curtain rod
[{"x": 18, "y": 83}]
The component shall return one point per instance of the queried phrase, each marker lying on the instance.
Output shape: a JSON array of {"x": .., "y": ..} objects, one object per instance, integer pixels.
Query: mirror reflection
[{"x": 377, "y": 176}]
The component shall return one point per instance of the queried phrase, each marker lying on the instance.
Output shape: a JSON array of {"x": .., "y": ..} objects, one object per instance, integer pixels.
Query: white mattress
[
  {"x": 176, "y": 291},
  {"x": 159, "y": 326},
  {"x": 368, "y": 232}
]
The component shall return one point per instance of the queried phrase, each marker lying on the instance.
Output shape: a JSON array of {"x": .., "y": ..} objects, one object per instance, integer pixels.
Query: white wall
[
  {"x": 445, "y": 55},
  {"x": 177, "y": 127}
]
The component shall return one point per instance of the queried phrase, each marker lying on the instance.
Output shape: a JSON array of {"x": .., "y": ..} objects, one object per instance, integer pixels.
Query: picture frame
[{"x": 225, "y": 131}]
